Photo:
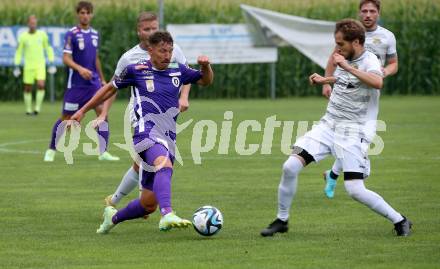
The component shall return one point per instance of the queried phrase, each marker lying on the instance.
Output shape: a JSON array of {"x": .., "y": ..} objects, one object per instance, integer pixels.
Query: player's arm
[
  {"x": 392, "y": 67},
  {"x": 106, "y": 107},
  {"x": 391, "y": 57},
  {"x": 369, "y": 78},
  {"x": 184, "y": 97},
  {"x": 104, "y": 93},
  {"x": 83, "y": 72},
  {"x": 329, "y": 70},
  {"x": 184, "y": 91},
  {"x": 99, "y": 69},
  {"x": 48, "y": 48},
  {"x": 207, "y": 73},
  {"x": 120, "y": 66},
  {"x": 19, "y": 51},
  {"x": 316, "y": 79}
]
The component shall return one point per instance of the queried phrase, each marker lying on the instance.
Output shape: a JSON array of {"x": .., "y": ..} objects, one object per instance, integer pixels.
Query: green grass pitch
[{"x": 50, "y": 211}]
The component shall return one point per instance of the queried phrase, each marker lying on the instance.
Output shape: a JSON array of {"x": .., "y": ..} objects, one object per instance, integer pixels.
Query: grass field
[{"x": 50, "y": 211}]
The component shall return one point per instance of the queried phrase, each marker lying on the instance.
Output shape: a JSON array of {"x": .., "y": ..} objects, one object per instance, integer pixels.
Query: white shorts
[{"x": 350, "y": 150}]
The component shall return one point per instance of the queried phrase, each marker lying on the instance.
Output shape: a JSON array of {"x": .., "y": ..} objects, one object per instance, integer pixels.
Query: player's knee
[
  {"x": 289, "y": 167},
  {"x": 40, "y": 86},
  {"x": 150, "y": 208},
  {"x": 150, "y": 205},
  {"x": 162, "y": 162},
  {"x": 136, "y": 167},
  {"x": 354, "y": 188},
  {"x": 65, "y": 117}
]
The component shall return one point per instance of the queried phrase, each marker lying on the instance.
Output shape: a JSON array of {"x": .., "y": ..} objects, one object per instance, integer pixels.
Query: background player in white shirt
[
  {"x": 147, "y": 24},
  {"x": 382, "y": 43},
  {"x": 343, "y": 130}
]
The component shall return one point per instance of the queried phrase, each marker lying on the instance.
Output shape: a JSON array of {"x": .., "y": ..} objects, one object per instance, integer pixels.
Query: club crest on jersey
[
  {"x": 376, "y": 40},
  {"x": 150, "y": 85},
  {"x": 95, "y": 42},
  {"x": 175, "y": 81},
  {"x": 81, "y": 45},
  {"x": 355, "y": 65}
]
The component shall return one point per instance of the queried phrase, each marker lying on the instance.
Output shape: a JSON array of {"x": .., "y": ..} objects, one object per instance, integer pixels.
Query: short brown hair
[
  {"x": 351, "y": 30},
  {"x": 84, "y": 5},
  {"x": 146, "y": 16},
  {"x": 374, "y": 2},
  {"x": 160, "y": 36}
]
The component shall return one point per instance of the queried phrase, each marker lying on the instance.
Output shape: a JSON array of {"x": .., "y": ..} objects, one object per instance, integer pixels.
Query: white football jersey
[
  {"x": 352, "y": 102},
  {"x": 382, "y": 43}
]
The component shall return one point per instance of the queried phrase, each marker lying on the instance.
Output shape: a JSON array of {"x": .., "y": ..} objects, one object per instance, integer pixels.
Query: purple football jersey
[
  {"x": 156, "y": 97},
  {"x": 83, "y": 45}
]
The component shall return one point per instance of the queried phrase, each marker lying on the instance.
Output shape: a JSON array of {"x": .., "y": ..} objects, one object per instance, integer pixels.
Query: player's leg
[
  {"x": 103, "y": 136},
  {"x": 356, "y": 168},
  {"x": 330, "y": 177},
  {"x": 137, "y": 208},
  {"x": 28, "y": 81},
  {"x": 128, "y": 183},
  {"x": 57, "y": 131},
  {"x": 159, "y": 158},
  {"x": 41, "y": 78},
  {"x": 71, "y": 104},
  {"x": 312, "y": 147}
]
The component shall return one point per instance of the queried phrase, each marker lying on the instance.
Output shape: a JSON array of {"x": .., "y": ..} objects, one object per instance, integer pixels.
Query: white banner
[
  {"x": 222, "y": 43},
  {"x": 9, "y": 42},
  {"x": 313, "y": 38}
]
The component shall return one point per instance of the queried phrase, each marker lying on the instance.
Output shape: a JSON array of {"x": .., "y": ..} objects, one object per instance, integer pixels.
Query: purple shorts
[
  {"x": 75, "y": 98},
  {"x": 148, "y": 156}
]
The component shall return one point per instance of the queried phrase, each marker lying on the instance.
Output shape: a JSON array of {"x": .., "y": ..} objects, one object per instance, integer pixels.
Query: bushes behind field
[{"x": 415, "y": 23}]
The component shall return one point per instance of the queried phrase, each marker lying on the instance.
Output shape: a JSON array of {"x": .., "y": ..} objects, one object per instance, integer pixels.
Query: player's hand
[
  {"x": 78, "y": 116},
  {"x": 52, "y": 69},
  {"x": 316, "y": 79},
  {"x": 326, "y": 90},
  {"x": 183, "y": 104},
  {"x": 85, "y": 73},
  {"x": 340, "y": 60},
  {"x": 100, "y": 119},
  {"x": 203, "y": 60},
  {"x": 16, "y": 72}
]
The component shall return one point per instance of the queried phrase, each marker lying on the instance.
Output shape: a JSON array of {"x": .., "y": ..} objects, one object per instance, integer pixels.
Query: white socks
[
  {"x": 337, "y": 167},
  {"x": 287, "y": 187},
  {"x": 128, "y": 183},
  {"x": 356, "y": 189}
]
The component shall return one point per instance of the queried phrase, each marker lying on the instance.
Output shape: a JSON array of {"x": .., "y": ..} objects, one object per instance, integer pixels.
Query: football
[{"x": 207, "y": 220}]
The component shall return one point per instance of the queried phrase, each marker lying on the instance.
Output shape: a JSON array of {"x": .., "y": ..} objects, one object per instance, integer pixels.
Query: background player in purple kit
[
  {"x": 84, "y": 78},
  {"x": 156, "y": 87}
]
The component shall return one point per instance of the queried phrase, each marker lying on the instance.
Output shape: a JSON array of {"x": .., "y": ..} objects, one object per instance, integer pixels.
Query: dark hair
[
  {"x": 84, "y": 5},
  {"x": 351, "y": 30},
  {"x": 374, "y": 2},
  {"x": 160, "y": 36},
  {"x": 146, "y": 16}
]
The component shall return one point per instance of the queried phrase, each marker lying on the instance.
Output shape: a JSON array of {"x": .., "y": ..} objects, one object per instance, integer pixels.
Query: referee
[{"x": 32, "y": 45}]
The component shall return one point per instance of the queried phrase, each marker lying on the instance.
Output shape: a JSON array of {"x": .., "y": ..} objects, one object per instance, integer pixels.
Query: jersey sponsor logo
[
  {"x": 377, "y": 40},
  {"x": 175, "y": 81},
  {"x": 140, "y": 67},
  {"x": 150, "y": 85},
  {"x": 175, "y": 74}
]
